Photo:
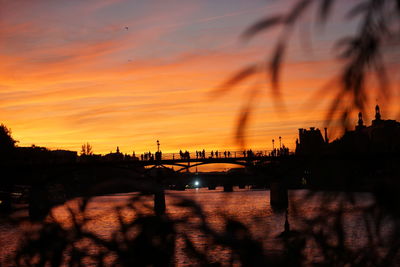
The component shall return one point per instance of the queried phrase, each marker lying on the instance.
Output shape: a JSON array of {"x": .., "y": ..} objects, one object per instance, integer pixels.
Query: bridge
[
  {"x": 47, "y": 178},
  {"x": 240, "y": 158},
  {"x": 186, "y": 164}
]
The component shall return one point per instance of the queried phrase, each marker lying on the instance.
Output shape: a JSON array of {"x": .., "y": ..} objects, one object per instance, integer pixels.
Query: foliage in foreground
[{"x": 141, "y": 238}]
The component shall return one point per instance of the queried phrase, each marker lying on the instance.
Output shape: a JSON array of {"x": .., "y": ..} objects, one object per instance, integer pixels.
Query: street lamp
[
  {"x": 273, "y": 144},
  {"x": 280, "y": 142},
  {"x": 158, "y": 146}
]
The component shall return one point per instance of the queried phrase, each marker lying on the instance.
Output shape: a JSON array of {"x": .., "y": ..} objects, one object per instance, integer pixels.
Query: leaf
[
  {"x": 335, "y": 104},
  {"x": 241, "y": 125},
  {"x": 398, "y": 5},
  {"x": 344, "y": 46},
  {"x": 261, "y": 25},
  {"x": 383, "y": 78},
  {"x": 296, "y": 11},
  {"x": 325, "y": 8},
  {"x": 244, "y": 117},
  {"x": 237, "y": 78},
  {"x": 357, "y": 10}
]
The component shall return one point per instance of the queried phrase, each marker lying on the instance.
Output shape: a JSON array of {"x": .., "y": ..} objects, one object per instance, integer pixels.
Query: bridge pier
[
  {"x": 159, "y": 194},
  {"x": 228, "y": 188},
  {"x": 159, "y": 202},
  {"x": 212, "y": 187},
  {"x": 278, "y": 195}
]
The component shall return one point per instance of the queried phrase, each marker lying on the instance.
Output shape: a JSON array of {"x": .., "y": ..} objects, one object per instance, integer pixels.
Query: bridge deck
[{"x": 243, "y": 160}]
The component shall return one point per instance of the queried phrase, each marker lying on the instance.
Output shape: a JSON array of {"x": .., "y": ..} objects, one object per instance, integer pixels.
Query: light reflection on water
[{"x": 251, "y": 207}]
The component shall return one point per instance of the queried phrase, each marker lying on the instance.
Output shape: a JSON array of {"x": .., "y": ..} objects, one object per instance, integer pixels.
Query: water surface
[{"x": 250, "y": 207}]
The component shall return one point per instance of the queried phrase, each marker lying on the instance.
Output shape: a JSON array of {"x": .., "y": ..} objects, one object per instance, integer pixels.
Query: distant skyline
[{"x": 128, "y": 73}]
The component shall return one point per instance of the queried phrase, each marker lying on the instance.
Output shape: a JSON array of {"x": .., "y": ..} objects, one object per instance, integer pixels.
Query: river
[{"x": 250, "y": 207}]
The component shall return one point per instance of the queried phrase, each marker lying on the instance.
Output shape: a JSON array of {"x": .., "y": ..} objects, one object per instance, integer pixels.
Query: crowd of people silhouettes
[
  {"x": 283, "y": 151},
  {"x": 215, "y": 154}
]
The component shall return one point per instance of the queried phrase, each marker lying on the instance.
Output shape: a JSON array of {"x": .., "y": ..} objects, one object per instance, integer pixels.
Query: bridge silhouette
[{"x": 244, "y": 159}]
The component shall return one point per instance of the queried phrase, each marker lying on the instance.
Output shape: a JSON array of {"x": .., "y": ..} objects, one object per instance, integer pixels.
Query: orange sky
[{"x": 70, "y": 73}]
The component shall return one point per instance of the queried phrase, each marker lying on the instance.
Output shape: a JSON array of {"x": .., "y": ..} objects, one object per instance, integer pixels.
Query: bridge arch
[
  {"x": 155, "y": 164},
  {"x": 186, "y": 167}
]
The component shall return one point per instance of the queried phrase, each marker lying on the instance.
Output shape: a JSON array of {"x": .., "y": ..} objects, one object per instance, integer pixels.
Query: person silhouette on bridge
[
  {"x": 216, "y": 154},
  {"x": 204, "y": 154},
  {"x": 158, "y": 155},
  {"x": 229, "y": 154}
]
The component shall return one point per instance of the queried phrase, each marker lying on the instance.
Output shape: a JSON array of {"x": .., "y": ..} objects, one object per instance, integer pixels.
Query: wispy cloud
[{"x": 71, "y": 72}]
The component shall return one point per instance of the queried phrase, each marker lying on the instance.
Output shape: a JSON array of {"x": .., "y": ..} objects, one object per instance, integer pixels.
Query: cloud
[{"x": 71, "y": 73}]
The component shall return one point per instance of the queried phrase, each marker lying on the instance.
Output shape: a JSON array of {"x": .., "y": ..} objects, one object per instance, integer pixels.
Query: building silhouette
[
  {"x": 382, "y": 136},
  {"x": 310, "y": 141},
  {"x": 41, "y": 155}
]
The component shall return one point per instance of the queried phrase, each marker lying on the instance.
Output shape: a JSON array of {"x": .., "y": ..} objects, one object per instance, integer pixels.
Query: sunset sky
[{"x": 71, "y": 72}]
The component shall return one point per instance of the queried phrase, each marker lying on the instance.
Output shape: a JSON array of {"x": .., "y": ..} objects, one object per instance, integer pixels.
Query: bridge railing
[
  {"x": 209, "y": 155},
  {"x": 217, "y": 154}
]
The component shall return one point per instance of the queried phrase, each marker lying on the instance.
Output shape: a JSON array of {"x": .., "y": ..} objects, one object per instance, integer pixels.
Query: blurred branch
[{"x": 360, "y": 55}]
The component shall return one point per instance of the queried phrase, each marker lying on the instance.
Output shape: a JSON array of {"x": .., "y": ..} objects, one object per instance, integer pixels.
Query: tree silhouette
[
  {"x": 86, "y": 150},
  {"x": 7, "y": 143}
]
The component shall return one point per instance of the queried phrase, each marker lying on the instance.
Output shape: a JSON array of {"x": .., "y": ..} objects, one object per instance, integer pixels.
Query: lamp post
[
  {"x": 273, "y": 144},
  {"x": 280, "y": 142},
  {"x": 158, "y": 146}
]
